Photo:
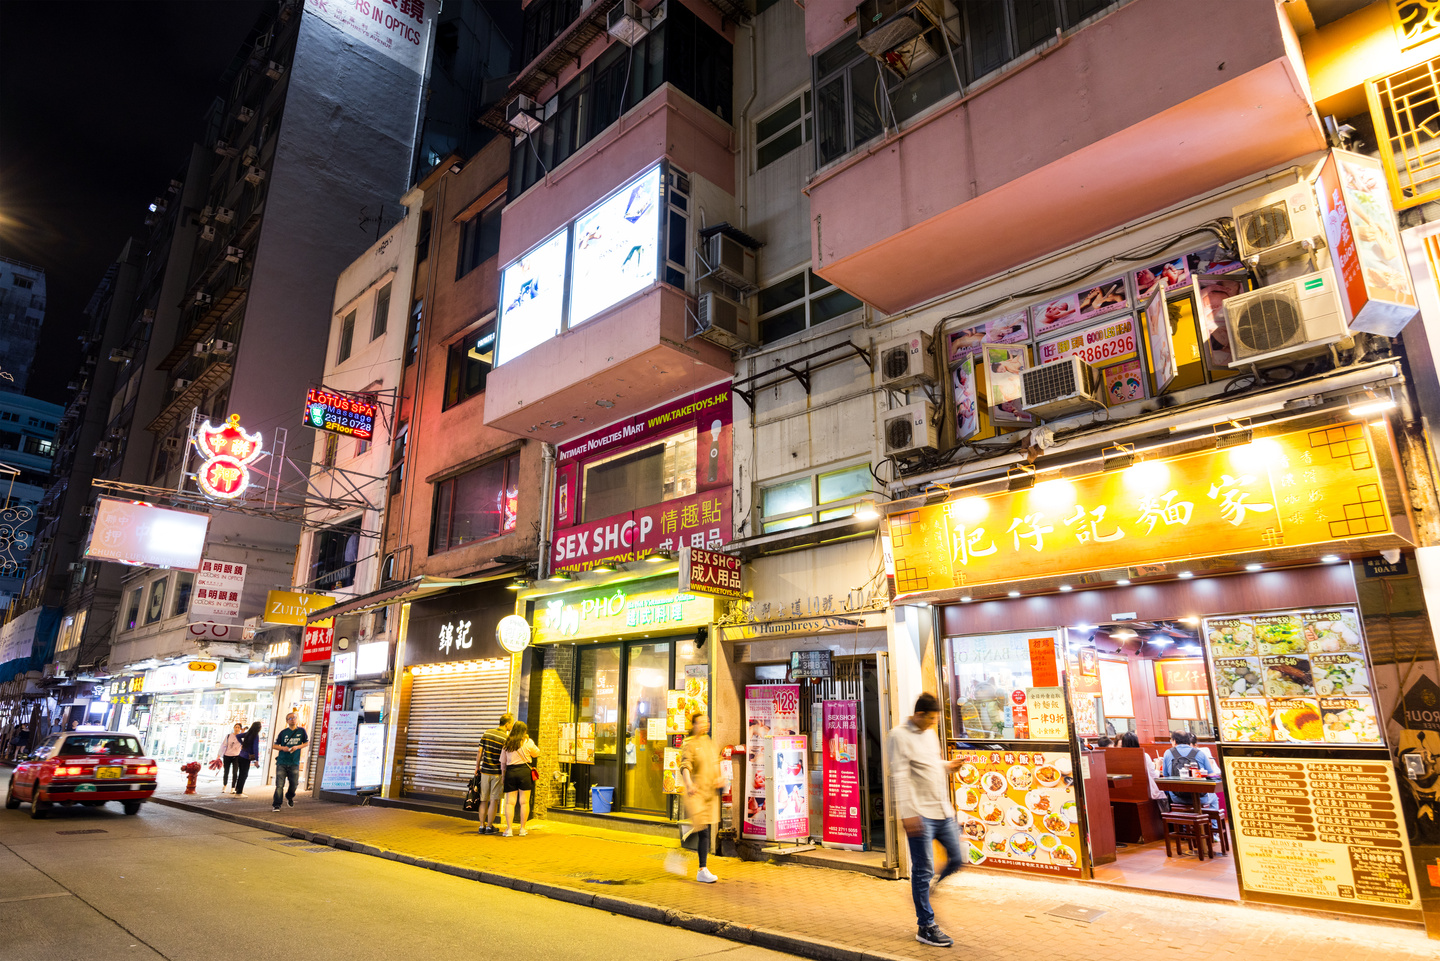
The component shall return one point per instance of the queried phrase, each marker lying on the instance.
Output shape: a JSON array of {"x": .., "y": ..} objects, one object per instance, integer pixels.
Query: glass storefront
[{"x": 192, "y": 726}]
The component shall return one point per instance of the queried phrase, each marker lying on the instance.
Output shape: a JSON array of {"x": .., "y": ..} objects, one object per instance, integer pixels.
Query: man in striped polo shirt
[{"x": 487, "y": 766}]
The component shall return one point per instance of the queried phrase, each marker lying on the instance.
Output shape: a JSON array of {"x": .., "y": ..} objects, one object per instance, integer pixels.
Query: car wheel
[
  {"x": 132, "y": 807},
  {"x": 11, "y": 801},
  {"x": 39, "y": 809}
]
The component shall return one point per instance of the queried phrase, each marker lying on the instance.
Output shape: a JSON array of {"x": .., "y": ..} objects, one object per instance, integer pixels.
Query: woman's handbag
[
  {"x": 534, "y": 774},
  {"x": 472, "y": 795}
]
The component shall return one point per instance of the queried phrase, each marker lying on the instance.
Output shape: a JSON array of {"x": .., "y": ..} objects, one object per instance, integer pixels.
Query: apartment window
[
  {"x": 382, "y": 312},
  {"x": 333, "y": 554},
  {"x": 24, "y": 283},
  {"x": 331, "y": 448},
  {"x": 467, "y": 365},
  {"x": 639, "y": 478},
  {"x": 397, "y": 459},
  {"x": 798, "y": 302},
  {"x": 814, "y": 498},
  {"x": 783, "y": 130},
  {"x": 155, "y": 609},
  {"x": 347, "y": 338},
  {"x": 476, "y": 505},
  {"x": 422, "y": 242},
  {"x": 184, "y": 587},
  {"x": 544, "y": 21},
  {"x": 132, "y": 609},
  {"x": 362, "y": 444},
  {"x": 479, "y": 240},
  {"x": 412, "y": 336}
]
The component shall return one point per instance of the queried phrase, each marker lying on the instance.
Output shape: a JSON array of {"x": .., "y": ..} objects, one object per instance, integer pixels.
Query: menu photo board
[
  {"x": 1297, "y": 676},
  {"x": 339, "y": 773},
  {"x": 1018, "y": 810},
  {"x": 584, "y": 742},
  {"x": 565, "y": 743},
  {"x": 1326, "y": 828}
]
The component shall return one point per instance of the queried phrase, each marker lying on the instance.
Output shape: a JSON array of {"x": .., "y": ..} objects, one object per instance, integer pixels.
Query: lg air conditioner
[
  {"x": 224, "y": 215},
  {"x": 255, "y": 175},
  {"x": 207, "y": 232},
  {"x": 1288, "y": 319},
  {"x": 724, "y": 321},
  {"x": 234, "y": 254},
  {"x": 523, "y": 114},
  {"x": 907, "y": 360},
  {"x": 1060, "y": 387},
  {"x": 1282, "y": 224},
  {"x": 729, "y": 260},
  {"x": 911, "y": 429}
]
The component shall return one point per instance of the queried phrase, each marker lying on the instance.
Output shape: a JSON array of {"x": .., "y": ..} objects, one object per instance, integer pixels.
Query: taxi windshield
[{"x": 107, "y": 745}]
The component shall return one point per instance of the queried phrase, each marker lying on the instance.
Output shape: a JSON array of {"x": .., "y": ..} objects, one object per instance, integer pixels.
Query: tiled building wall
[{"x": 556, "y": 700}]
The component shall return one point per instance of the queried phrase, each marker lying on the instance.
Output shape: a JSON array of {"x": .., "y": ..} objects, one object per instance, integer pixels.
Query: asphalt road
[{"x": 167, "y": 884}]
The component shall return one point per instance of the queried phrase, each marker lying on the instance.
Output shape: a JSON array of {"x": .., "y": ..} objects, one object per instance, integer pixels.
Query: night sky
[{"x": 99, "y": 102}]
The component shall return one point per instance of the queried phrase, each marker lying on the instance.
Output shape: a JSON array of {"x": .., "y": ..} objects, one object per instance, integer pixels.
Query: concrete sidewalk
[{"x": 817, "y": 912}]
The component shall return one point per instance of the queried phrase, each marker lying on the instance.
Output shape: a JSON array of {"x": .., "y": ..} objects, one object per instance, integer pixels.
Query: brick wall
[{"x": 556, "y": 703}]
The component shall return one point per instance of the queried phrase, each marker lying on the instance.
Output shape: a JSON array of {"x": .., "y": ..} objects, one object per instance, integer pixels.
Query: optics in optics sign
[{"x": 228, "y": 450}]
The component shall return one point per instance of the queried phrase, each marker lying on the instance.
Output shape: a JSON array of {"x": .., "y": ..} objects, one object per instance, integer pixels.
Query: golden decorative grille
[
  {"x": 1405, "y": 107},
  {"x": 1416, "y": 21}
]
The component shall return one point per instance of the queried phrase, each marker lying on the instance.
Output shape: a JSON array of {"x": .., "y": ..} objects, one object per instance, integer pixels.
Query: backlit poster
[
  {"x": 532, "y": 299},
  {"x": 339, "y": 772},
  {"x": 616, "y": 248},
  {"x": 770, "y": 710},
  {"x": 369, "y": 756},
  {"x": 841, "y": 820},
  {"x": 1162, "y": 347},
  {"x": 789, "y": 795}
]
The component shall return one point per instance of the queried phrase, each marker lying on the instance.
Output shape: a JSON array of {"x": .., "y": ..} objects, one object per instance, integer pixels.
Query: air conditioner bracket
[{"x": 800, "y": 369}]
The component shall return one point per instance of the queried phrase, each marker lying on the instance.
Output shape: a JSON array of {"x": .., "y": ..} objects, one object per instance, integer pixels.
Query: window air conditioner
[
  {"x": 907, "y": 360},
  {"x": 180, "y": 384},
  {"x": 523, "y": 114},
  {"x": 222, "y": 347},
  {"x": 724, "y": 321},
  {"x": 74, "y": 567},
  {"x": 224, "y": 149},
  {"x": 234, "y": 254},
  {"x": 730, "y": 260},
  {"x": 1282, "y": 224},
  {"x": 255, "y": 175},
  {"x": 206, "y": 213},
  {"x": 170, "y": 445},
  {"x": 202, "y": 348},
  {"x": 207, "y": 232},
  {"x": 1060, "y": 387},
  {"x": 176, "y": 185},
  {"x": 147, "y": 316},
  {"x": 274, "y": 70},
  {"x": 245, "y": 115},
  {"x": 911, "y": 429},
  {"x": 224, "y": 215},
  {"x": 248, "y": 157},
  {"x": 119, "y": 354},
  {"x": 895, "y": 32},
  {"x": 629, "y": 24},
  {"x": 204, "y": 299},
  {"x": 1300, "y": 316}
]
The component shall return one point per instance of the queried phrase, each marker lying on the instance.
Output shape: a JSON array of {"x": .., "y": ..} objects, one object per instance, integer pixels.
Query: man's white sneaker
[{"x": 705, "y": 877}]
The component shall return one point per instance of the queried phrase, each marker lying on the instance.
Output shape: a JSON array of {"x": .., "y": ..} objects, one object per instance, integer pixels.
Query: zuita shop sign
[{"x": 513, "y": 633}]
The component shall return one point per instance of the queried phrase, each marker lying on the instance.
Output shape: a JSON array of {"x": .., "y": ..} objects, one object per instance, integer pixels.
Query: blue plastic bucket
[{"x": 601, "y": 798}]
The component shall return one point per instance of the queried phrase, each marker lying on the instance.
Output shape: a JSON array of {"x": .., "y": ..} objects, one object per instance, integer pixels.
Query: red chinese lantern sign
[{"x": 228, "y": 449}]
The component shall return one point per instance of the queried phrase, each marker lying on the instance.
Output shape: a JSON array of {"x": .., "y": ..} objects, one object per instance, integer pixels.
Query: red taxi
[{"x": 83, "y": 767}]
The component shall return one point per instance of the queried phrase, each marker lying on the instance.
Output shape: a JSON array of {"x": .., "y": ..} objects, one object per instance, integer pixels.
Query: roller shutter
[{"x": 448, "y": 713}]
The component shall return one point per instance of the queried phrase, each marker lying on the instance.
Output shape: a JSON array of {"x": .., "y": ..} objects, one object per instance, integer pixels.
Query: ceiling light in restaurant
[
  {"x": 1186, "y": 575},
  {"x": 1254, "y": 567},
  {"x": 1066, "y": 587}
]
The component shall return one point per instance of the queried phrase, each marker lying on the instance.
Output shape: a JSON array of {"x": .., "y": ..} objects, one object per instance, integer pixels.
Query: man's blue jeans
[
  {"x": 283, "y": 773},
  {"x": 922, "y": 862}
]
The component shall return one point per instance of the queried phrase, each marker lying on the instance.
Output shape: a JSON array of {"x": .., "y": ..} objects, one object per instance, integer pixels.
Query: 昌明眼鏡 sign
[
  {"x": 228, "y": 451},
  {"x": 1303, "y": 487}
]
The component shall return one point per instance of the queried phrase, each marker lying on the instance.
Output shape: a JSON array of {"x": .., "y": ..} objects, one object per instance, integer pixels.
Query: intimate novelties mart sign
[{"x": 1303, "y": 487}]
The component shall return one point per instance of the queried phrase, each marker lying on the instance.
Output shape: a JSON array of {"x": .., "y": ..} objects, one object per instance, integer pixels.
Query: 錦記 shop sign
[
  {"x": 340, "y": 413},
  {"x": 634, "y": 608}
]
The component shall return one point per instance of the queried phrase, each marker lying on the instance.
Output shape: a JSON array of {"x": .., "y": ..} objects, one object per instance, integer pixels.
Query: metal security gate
[{"x": 448, "y": 713}]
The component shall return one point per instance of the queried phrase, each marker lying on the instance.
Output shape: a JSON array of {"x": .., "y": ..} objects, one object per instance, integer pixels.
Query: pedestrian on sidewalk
[
  {"x": 517, "y": 773},
  {"x": 919, "y": 775},
  {"x": 249, "y": 754},
  {"x": 487, "y": 769},
  {"x": 19, "y": 741},
  {"x": 700, "y": 773},
  {"x": 287, "y": 763},
  {"x": 230, "y": 756}
]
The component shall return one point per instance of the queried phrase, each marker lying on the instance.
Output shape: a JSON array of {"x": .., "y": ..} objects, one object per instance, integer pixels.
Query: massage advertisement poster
[
  {"x": 841, "y": 820},
  {"x": 771, "y": 710}
]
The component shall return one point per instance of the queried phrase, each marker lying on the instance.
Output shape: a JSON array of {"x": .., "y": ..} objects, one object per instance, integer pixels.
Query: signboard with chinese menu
[
  {"x": 632, "y": 608},
  {"x": 993, "y": 678},
  {"x": 1017, "y": 810},
  {"x": 789, "y": 797},
  {"x": 1304, "y": 487},
  {"x": 1293, "y": 676},
  {"x": 216, "y": 596},
  {"x": 1326, "y": 828},
  {"x": 770, "y": 710},
  {"x": 339, "y": 772},
  {"x": 1365, "y": 244},
  {"x": 710, "y": 572},
  {"x": 842, "y": 824}
]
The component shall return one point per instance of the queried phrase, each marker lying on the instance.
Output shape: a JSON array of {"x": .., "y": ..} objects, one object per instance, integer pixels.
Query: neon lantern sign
[{"x": 228, "y": 450}]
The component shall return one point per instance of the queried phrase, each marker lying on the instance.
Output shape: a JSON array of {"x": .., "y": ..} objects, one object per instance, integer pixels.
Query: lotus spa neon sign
[{"x": 228, "y": 450}]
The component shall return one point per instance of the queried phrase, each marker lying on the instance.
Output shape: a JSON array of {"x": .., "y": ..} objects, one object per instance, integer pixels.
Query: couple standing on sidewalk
[{"x": 505, "y": 766}]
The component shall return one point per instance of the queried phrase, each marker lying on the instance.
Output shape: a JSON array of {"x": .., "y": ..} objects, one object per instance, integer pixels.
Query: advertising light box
[
  {"x": 147, "y": 536},
  {"x": 339, "y": 413},
  {"x": 616, "y": 247},
  {"x": 532, "y": 298}
]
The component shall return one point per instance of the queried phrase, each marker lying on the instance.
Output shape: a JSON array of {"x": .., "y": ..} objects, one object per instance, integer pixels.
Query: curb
[{"x": 624, "y": 907}]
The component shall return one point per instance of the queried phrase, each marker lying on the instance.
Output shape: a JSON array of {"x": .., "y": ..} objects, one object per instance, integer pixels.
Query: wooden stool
[
  {"x": 1220, "y": 828},
  {"x": 1186, "y": 828}
]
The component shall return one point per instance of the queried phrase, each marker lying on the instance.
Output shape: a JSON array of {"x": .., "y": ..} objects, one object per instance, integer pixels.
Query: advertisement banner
[
  {"x": 1010, "y": 328},
  {"x": 789, "y": 798},
  {"x": 184, "y": 676},
  {"x": 967, "y": 398},
  {"x": 700, "y": 410},
  {"x": 841, "y": 819},
  {"x": 369, "y": 756},
  {"x": 340, "y": 413},
  {"x": 340, "y": 753},
  {"x": 397, "y": 29},
  {"x": 532, "y": 298},
  {"x": 216, "y": 596},
  {"x": 1364, "y": 242},
  {"x": 1000, "y": 386},
  {"x": 1103, "y": 344},
  {"x": 319, "y": 637},
  {"x": 770, "y": 710},
  {"x": 1018, "y": 811},
  {"x": 710, "y": 572},
  {"x": 617, "y": 247},
  {"x": 700, "y": 520},
  {"x": 638, "y": 606},
  {"x": 1162, "y": 345},
  {"x": 147, "y": 536},
  {"x": 334, "y": 701}
]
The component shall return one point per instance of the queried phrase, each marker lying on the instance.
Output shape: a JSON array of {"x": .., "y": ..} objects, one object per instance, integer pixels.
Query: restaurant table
[{"x": 1195, "y": 787}]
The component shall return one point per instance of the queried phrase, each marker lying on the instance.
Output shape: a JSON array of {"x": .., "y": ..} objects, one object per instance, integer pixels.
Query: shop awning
[{"x": 412, "y": 590}]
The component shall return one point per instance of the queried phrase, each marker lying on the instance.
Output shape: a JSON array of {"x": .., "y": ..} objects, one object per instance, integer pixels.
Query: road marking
[{"x": 36, "y": 897}]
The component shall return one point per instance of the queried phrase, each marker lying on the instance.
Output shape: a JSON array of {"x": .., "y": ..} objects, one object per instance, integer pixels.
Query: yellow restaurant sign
[
  {"x": 635, "y": 608},
  {"x": 292, "y": 607},
  {"x": 1304, "y": 487}
]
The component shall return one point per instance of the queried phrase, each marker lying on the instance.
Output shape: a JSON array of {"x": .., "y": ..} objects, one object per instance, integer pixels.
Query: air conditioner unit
[
  {"x": 207, "y": 232},
  {"x": 202, "y": 348},
  {"x": 74, "y": 567},
  {"x": 180, "y": 384},
  {"x": 234, "y": 254},
  {"x": 907, "y": 360},
  {"x": 170, "y": 445},
  {"x": 255, "y": 175},
  {"x": 203, "y": 299},
  {"x": 895, "y": 32},
  {"x": 1060, "y": 387},
  {"x": 147, "y": 316},
  {"x": 118, "y": 354},
  {"x": 724, "y": 321},
  {"x": 730, "y": 260},
  {"x": 523, "y": 114},
  {"x": 245, "y": 115},
  {"x": 911, "y": 429},
  {"x": 222, "y": 347},
  {"x": 1282, "y": 224},
  {"x": 248, "y": 157},
  {"x": 206, "y": 213},
  {"x": 224, "y": 215},
  {"x": 1300, "y": 316},
  {"x": 176, "y": 185},
  {"x": 274, "y": 70},
  {"x": 158, "y": 205},
  {"x": 224, "y": 149},
  {"x": 629, "y": 24}
]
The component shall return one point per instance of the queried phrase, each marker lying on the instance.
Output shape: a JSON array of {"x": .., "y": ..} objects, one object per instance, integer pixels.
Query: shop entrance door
[{"x": 855, "y": 679}]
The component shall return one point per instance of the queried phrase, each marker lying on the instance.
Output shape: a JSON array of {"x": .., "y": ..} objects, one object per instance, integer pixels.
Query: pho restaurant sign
[{"x": 635, "y": 608}]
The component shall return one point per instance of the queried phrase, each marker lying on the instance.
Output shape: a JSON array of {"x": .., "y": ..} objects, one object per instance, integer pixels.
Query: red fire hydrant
[{"x": 192, "y": 771}]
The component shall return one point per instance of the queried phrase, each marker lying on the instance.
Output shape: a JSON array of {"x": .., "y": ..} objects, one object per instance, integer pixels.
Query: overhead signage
[
  {"x": 513, "y": 633},
  {"x": 700, "y": 520},
  {"x": 340, "y": 413},
  {"x": 638, "y": 607},
  {"x": 319, "y": 637},
  {"x": 342, "y": 667},
  {"x": 805, "y": 664},
  {"x": 228, "y": 450},
  {"x": 710, "y": 572},
  {"x": 532, "y": 298},
  {"x": 700, "y": 410},
  {"x": 1179, "y": 676},
  {"x": 182, "y": 676},
  {"x": 1105, "y": 343},
  {"x": 616, "y": 250},
  {"x": 841, "y": 814},
  {"x": 1364, "y": 242},
  {"x": 144, "y": 535},
  {"x": 1304, "y": 487},
  {"x": 1380, "y": 567},
  {"x": 293, "y": 607},
  {"x": 372, "y": 658},
  {"x": 218, "y": 588}
]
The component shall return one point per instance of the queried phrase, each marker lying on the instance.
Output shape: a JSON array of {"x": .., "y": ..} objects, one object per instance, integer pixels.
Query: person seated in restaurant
[
  {"x": 1182, "y": 756},
  {"x": 1129, "y": 739}
]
